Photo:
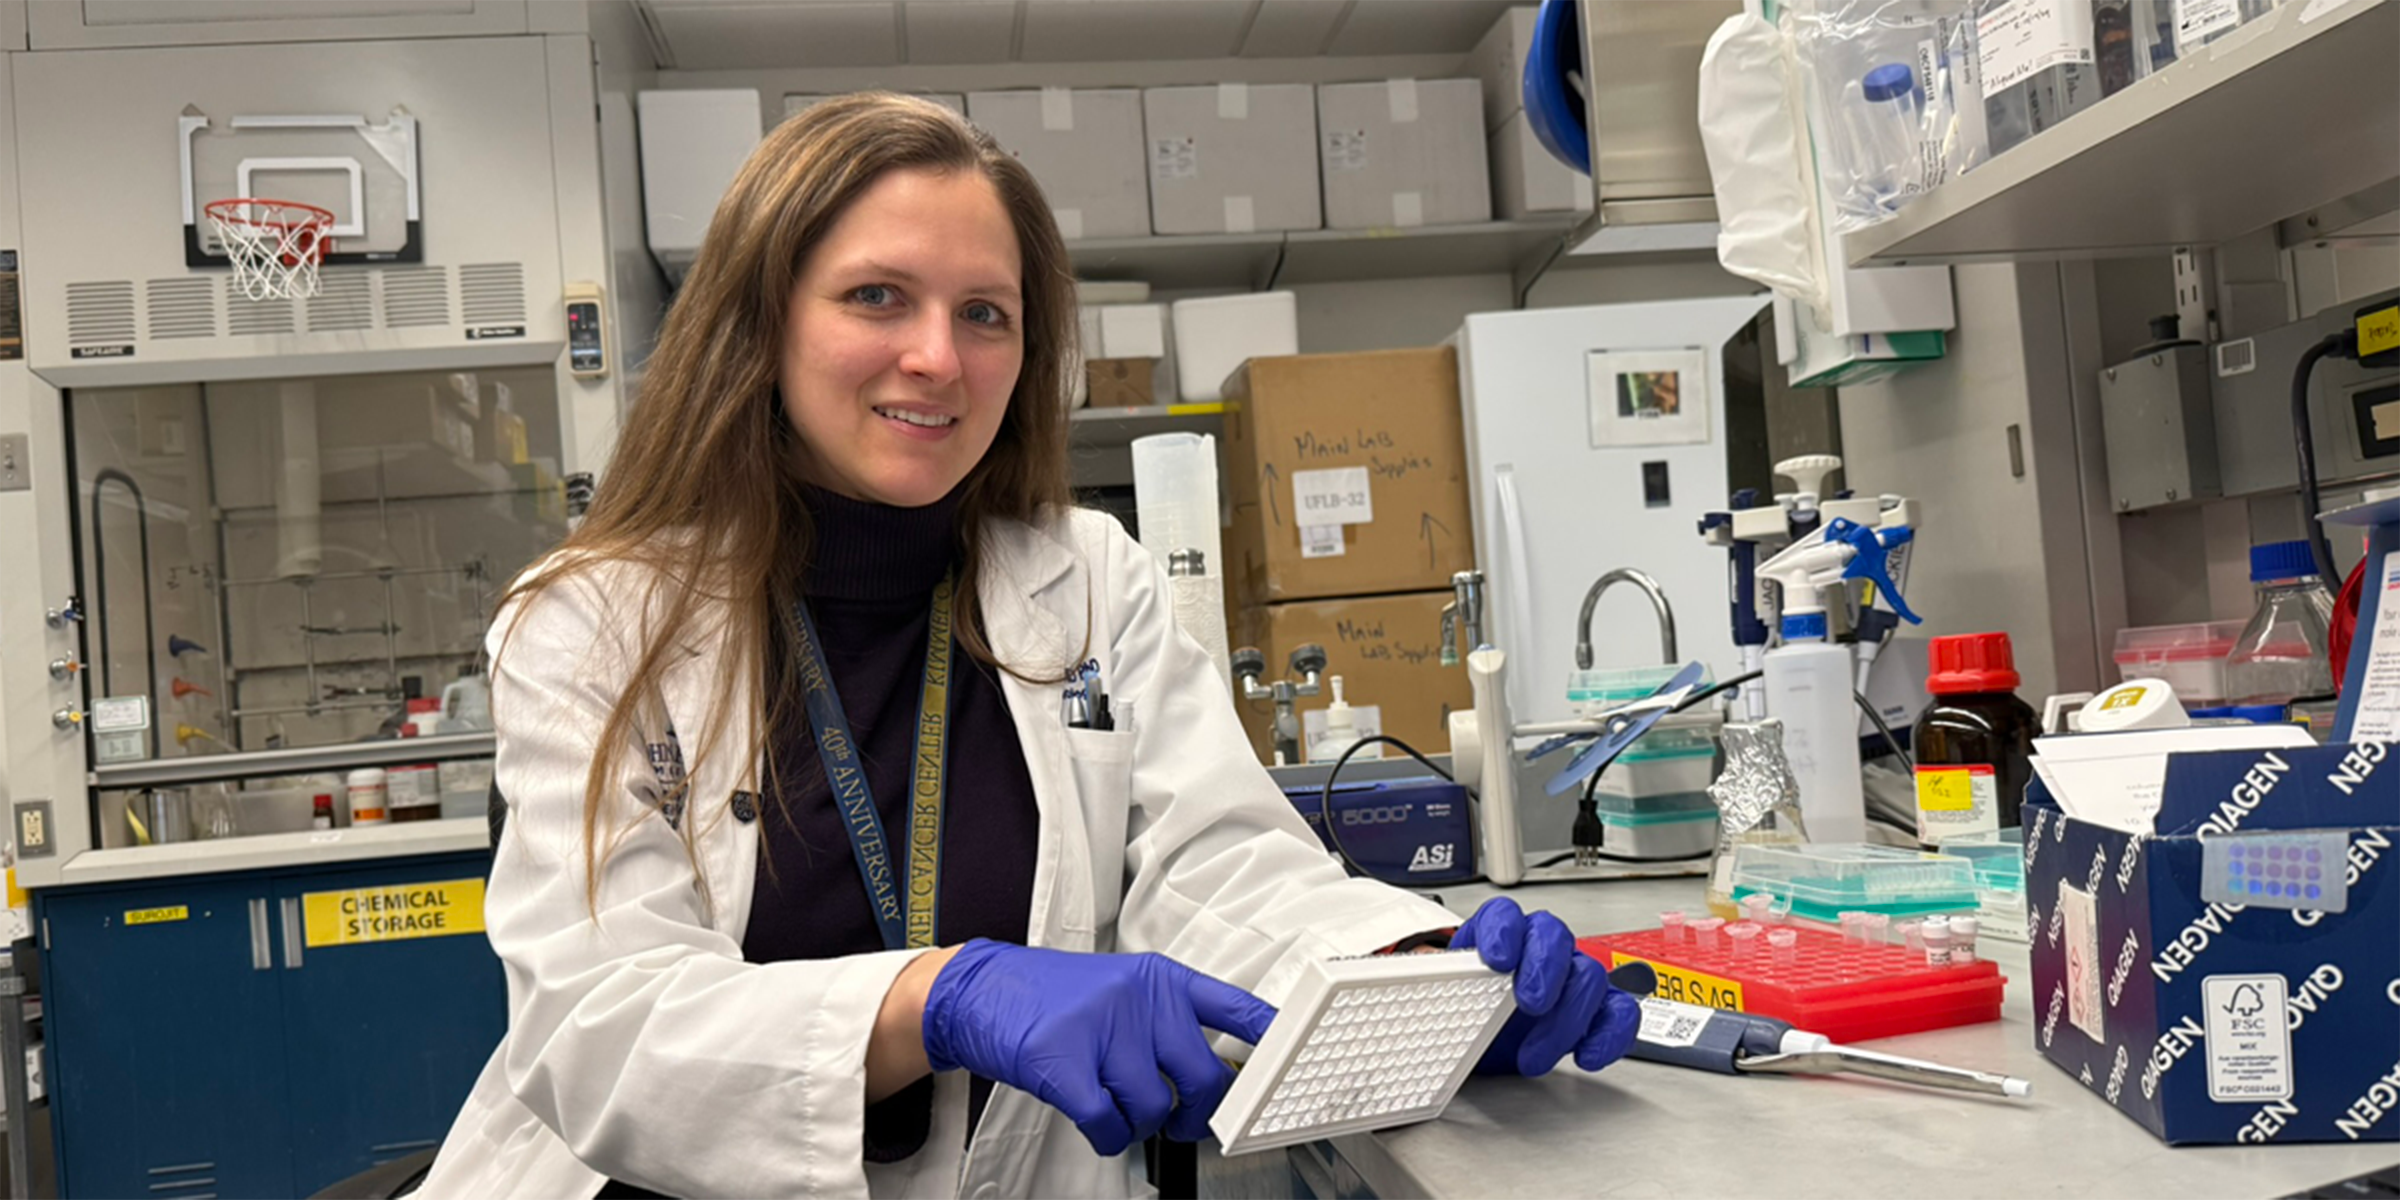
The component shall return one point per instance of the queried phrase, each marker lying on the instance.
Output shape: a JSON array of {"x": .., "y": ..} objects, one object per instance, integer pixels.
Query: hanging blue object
[
  {"x": 1625, "y": 727},
  {"x": 1553, "y": 104}
]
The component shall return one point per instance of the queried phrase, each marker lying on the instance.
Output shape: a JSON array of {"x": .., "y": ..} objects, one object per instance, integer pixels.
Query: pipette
[{"x": 1735, "y": 1043}]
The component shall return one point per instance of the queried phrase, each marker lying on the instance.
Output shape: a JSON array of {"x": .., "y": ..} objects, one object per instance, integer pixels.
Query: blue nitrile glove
[
  {"x": 1564, "y": 1002},
  {"x": 1091, "y": 1034}
]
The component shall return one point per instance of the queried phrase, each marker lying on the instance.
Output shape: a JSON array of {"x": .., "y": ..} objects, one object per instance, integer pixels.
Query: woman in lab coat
[{"x": 798, "y": 895}]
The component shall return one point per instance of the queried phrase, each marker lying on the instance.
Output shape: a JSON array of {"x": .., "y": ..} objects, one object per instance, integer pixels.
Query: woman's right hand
[{"x": 1091, "y": 1035}]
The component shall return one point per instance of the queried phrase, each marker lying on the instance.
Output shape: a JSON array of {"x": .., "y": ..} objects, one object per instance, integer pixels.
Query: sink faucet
[
  {"x": 1462, "y": 618},
  {"x": 1658, "y": 601}
]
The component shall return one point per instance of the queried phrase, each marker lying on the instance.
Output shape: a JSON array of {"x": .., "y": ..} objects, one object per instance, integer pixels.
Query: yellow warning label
[
  {"x": 2379, "y": 331},
  {"x": 1684, "y": 984},
  {"x": 1949, "y": 789},
  {"x": 153, "y": 916},
  {"x": 439, "y": 908},
  {"x": 2124, "y": 697},
  {"x": 16, "y": 895}
]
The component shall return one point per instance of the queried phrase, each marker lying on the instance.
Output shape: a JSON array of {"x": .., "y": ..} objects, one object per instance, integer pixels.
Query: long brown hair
[{"x": 702, "y": 489}]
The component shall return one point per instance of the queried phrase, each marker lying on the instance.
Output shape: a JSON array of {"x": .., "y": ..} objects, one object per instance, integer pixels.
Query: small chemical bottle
[
  {"x": 369, "y": 797},
  {"x": 322, "y": 818},
  {"x": 1341, "y": 731},
  {"x": 1937, "y": 941},
  {"x": 1975, "y": 744}
]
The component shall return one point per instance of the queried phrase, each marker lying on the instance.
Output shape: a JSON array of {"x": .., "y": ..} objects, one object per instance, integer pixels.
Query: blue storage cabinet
[{"x": 199, "y": 1045}]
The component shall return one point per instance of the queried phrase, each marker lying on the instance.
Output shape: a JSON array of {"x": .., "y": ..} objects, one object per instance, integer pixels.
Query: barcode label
[{"x": 1667, "y": 1023}]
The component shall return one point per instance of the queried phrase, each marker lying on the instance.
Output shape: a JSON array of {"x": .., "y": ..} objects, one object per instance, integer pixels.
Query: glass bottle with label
[{"x": 1975, "y": 744}]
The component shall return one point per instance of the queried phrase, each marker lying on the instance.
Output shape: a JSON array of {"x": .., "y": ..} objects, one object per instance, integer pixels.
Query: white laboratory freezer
[{"x": 1595, "y": 440}]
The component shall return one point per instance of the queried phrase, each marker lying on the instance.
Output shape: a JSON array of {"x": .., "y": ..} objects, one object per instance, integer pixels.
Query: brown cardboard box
[
  {"x": 1388, "y": 651},
  {"x": 1393, "y": 414},
  {"x": 1121, "y": 382}
]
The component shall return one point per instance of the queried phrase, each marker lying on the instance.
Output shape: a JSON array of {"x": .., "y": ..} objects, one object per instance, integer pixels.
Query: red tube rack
[{"x": 1848, "y": 991}]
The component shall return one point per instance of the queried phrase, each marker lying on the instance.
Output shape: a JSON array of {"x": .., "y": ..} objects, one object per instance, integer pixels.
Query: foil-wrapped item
[{"x": 1757, "y": 780}]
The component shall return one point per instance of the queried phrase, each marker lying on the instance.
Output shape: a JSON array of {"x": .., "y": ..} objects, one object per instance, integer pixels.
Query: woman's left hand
[{"x": 1565, "y": 1004}]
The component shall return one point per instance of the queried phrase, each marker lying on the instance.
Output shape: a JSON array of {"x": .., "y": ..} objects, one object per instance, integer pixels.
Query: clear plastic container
[
  {"x": 2191, "y": 658},
  {"x": 1823, "y": 881},
  {"x": 1888, "y": 116},
  {"x": 1672, "y": 826},
  {"x": 2281, "y": 655}
]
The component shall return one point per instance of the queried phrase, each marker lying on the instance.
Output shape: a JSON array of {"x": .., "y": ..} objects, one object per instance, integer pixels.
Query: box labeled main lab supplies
[
  {"x": 2233, "y": 977},
  {"x": 1402, "y": 153},
  {"x": 1232, "y": 158},
  {"x": 1084, "y": 146},
  {"x": 1347, "y": 475},
  {"x": 1388, "y": 651}
]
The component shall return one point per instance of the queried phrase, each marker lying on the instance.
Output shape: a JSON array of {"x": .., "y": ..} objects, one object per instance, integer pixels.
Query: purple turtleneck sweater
[{"x": 870, "y": 589}]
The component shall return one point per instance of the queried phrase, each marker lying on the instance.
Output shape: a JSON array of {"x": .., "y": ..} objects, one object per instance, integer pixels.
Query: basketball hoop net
[{"x": 274, "y": 245}]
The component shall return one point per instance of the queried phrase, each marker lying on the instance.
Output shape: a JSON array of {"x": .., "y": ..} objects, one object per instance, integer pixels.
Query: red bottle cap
[{"x": 1972, "y": 662}]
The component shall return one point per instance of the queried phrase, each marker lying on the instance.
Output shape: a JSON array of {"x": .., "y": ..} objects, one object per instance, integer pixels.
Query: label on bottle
[
  {"x": 1956, "y": 800},
  {"x": 2377, "y": 717},
  {"x": 2018, "y": 39},
  {"x": 2199, "y": 20}
]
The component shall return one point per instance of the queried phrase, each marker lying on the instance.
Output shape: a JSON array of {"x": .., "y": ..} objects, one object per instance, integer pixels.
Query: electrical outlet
[
  {"x": 16, "y": 466},
  {"x": 34, "y": 829}
]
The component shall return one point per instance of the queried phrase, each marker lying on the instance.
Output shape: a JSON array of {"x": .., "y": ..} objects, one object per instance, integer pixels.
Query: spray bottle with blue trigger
[{"x": 1809, "y": 677}]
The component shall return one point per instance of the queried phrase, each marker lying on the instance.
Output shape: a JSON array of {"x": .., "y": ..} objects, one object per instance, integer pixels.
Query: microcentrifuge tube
[
  {"x": 1754, "y": 906},
  {"x": 1962, "y": 939},
  {"x": 1780, "y": 912},
  {"x": 1879, "y": 927},
  {"x": 1744, "y": 936},
  {"x": 1784, "y": 942},
  {"x": 1912, "y": 935},
  {"x": 1936, "y": 932},
  {"x": 1670, "y": 924},
  {"x": 1854, "y": 927},
  {"x": 1705, "y": 929}
]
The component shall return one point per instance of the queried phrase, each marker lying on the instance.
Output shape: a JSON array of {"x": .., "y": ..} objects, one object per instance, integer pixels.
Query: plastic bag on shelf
[
  {"x": 1892, "y": 96},
  {"x": 1757, "y": 147}
]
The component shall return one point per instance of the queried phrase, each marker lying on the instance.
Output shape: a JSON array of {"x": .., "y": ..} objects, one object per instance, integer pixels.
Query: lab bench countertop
[
  {"x": 1646, "y": 1129},
  {"x": 268, "y": 850}
]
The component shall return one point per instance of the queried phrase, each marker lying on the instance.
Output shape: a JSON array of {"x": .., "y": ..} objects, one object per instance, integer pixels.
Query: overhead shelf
[
  {"x": 1104, "y": 428},
  {"x": 1259, "y": 260},
  {"x": 2295, "y": 110}
]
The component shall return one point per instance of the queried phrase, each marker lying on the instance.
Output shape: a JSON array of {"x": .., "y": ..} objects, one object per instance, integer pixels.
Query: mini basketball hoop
[{"x": 274, "y": 245}]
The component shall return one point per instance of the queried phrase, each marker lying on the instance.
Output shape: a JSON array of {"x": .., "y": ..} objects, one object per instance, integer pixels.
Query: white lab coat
[{"x": 643, "y": 1046}]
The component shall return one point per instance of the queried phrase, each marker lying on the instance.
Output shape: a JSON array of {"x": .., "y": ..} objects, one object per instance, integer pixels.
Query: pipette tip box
[
  {"x": 1364, "y": 1044},
  {"x": 1849, "y": 992}
]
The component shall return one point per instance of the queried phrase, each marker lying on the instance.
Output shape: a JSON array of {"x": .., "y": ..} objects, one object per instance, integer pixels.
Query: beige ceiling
[{"x": 700, "y": 35}]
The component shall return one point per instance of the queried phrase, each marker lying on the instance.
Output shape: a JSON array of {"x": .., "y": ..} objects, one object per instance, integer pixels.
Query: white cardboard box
[
  {"x": 1132, "y": 331},
  {"x": 795, "y": 103},
  {"x": 1084, "y": 147},
  {"x": 1232, "y": 158},
  {"x": 1215, "y": 334},
  {"x": 1499, "y": 61},
  {"x": 1403, "y": 152},
  {"x": 1526, "y": 180}
]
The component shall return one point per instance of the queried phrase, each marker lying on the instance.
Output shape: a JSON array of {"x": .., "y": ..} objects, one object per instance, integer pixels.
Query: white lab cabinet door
[{"x": 1596, "y": 438}]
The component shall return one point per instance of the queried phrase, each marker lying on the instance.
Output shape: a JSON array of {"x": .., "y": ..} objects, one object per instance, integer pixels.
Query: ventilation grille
[
  {"x": 245, "y": 317},
  {"x": 182, "y": 308},
  {"x": 492, "y": 294},
  {"x": 416, "y": 296},
  {"x": 343, "y": 301},
  {"x": 100, "y": 313}
]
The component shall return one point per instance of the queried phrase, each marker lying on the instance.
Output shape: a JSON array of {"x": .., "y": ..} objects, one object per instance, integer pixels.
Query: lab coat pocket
[{"x": 1103, "y": 761}]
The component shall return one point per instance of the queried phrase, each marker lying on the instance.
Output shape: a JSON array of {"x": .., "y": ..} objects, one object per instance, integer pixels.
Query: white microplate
[{"x": 1363, "y": 1044}]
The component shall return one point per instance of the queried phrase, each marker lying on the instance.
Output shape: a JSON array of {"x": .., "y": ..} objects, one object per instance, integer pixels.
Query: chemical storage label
[
  {"x": 1686, "y": 986},
  {"x": 1334, "y": 496},
  {"x": 2249, "y": 1043},
  {"x": 436, "y": 908},
  {"x": 157, "y": 916}
]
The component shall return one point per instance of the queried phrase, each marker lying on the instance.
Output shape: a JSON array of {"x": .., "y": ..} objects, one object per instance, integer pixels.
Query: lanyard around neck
[{"x": 905, "y": 922}]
